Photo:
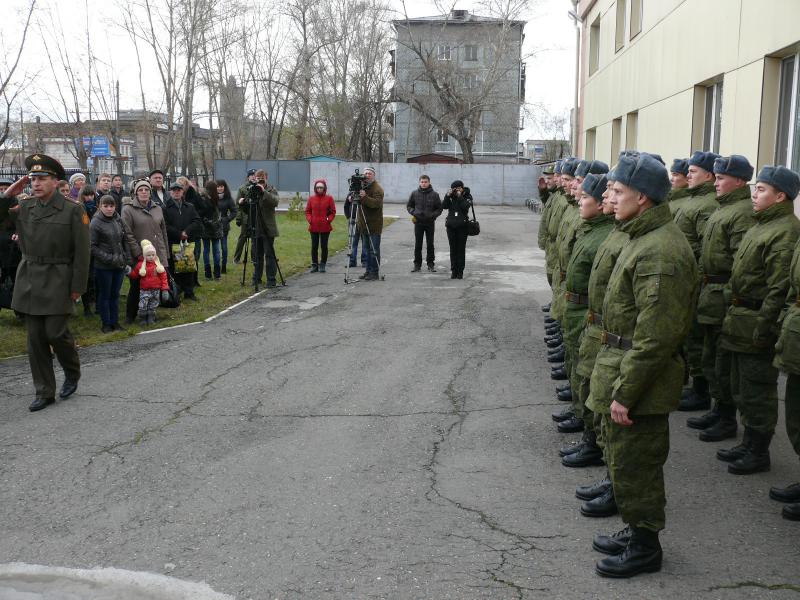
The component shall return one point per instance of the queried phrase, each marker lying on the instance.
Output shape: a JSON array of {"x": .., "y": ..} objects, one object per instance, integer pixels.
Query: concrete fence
[{"x": 490, "y": 184}]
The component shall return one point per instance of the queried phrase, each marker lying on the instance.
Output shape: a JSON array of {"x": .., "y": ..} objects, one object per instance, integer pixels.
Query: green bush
[{"x": 297, "y": 207}]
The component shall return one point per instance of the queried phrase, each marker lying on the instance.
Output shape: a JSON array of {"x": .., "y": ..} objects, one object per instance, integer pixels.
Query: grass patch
[{"x": 293, "y": 248}]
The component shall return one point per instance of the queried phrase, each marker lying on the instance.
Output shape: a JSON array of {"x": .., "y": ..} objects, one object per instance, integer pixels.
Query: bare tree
[{"x": 8, "y": 69}]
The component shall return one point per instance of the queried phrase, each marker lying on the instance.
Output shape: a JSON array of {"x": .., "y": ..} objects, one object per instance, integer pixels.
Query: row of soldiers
[{"x": 653, "y": 270}]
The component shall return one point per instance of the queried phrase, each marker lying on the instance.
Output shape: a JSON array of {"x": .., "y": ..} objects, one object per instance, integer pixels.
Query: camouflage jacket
[
  {"x": 557, "y": 205},
  {"x": 787, "y": 350},
  {"x": 676, "y": 198},
  {"x": 567, "y": 234},
  {"x": 645, "y": 304},
  {"x": 546, "y": 196},
  {"x": 692, "y": 215},
  {"x": 760, "y": 280},
  {"x": 724, "y": 231}
]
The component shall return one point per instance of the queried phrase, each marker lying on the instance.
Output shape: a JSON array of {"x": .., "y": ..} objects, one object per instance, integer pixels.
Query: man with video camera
[
  {"x": 263, "y": 200},
  {"x": 370, "y": 223}
]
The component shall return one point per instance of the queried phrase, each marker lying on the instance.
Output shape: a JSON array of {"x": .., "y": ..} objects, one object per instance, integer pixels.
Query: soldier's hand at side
[
  {"x": 619, "y": 414},
  {"x": 17, "y": 187},
  {"x": 74, "y": 296}
]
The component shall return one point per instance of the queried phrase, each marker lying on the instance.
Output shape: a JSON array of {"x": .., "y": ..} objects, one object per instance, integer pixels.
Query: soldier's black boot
[
  {"x": 571, "y": 425},
  {"x": 612, "y": 544},
  {"x": 556, "y": 350},
  {"x": 732, "y": 454},
  {"x": 696, "y": 397},
  {"x": 704, "y": 421},
  {"x": 756, "y": 459},
  {"x": 546, "y": 307},
  {"x": 549, "y": 320},
  {"x": 554, "y": 342},
  {"x": 593, "y": 490},
  {"x": 563, "y": 387},
  {"x": 789, "y": 494},
  {"x": 558, "y": 373},
  {"x": 642, "y": 555},
  {"x": 791, "y": 512},
  {"x": 558, "y": 357},
  {"x": 563, "y": 414},
  {"x": 590, "y": 455},
  {"x": 726, "y": 427},
  {"x": 570, "y": 449},
  {"x": 552, "y": 329},
  {"x": 604, "y": 505}
]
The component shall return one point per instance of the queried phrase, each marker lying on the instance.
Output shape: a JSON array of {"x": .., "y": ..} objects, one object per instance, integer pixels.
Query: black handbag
[
  {"x": 473, "y": 227},
  {"x": 174, "y": 300}
]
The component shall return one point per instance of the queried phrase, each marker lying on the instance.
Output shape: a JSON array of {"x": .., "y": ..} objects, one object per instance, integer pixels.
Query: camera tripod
[
  {"x": 252, "y": 240},
  {"x": 352, "y": 230}
]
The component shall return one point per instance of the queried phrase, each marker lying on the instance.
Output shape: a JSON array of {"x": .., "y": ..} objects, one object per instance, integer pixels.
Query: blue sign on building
[{"x": 97, "y": 146}]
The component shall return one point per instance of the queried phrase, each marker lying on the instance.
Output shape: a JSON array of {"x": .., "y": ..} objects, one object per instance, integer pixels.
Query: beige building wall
[{"x": 653, "y": 82}]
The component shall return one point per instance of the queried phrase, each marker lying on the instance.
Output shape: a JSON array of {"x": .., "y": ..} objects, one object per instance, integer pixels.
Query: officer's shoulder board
[{"x": 85, "y": 218}]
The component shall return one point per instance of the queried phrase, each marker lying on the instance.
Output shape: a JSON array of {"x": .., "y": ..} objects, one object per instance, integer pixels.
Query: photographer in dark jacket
[
  {"x": 266, "y": 231},
  {"x": 424, "y": 206},
  {"x": 457, "y": 203},
  {"x": 183, "y": 225}
]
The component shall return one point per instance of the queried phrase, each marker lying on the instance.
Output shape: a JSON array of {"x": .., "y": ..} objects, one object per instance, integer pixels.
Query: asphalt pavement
[{"x": 386, "y": 439}]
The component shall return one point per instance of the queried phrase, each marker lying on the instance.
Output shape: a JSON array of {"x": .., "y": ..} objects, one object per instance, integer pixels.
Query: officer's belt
[
  {"x": 615, "y": 341},
  {"x": 716, "y": 278},
  {"x": 563, "y": 275},
  {"x": 747, "y": 303},
  {"x": 47, "y": 260},
  {"x": 577, "y": 298},
  {"x": 594, "y": 318}
]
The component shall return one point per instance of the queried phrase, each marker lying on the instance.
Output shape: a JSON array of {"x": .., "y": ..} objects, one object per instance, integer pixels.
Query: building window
[
  {"x": 443, "y": 52},
  {"x": 636, "y": 18},
  {"x": 712, "y": 122},
  {"x": 469, "y": 81},
  {"x": 619, "y": 34},
  {"x": 787, "y": 148},
  {"x": 631, "y": 130},
  {"x": 594, "y": 46},
  {"x": 442, "y": 137},
  {"x": 591, "y": 140},
  {"x": 471, "y": 53},
  {"x": 616, "y": 136}
]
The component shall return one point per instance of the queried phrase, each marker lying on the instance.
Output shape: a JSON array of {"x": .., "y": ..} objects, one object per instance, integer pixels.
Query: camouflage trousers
[
  {"x": 592, "y": 421},
  {"x": 711, "y": 368},
  {"x": 752, "y": 382},
  {"x": 635, "y": 456},
  {"x": 793, "y": 411},
  {"x": 693, "y": 350}
]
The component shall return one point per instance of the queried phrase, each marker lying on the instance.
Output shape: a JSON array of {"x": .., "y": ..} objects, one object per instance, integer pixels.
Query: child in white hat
[{"x": 153, "y": 282}]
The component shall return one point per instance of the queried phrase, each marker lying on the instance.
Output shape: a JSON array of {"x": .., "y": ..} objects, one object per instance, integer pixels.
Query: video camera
[{"x": 357, "y": 182}]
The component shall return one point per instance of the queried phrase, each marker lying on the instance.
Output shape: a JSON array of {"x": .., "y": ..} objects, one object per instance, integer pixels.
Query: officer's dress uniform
[{"x": 54, "y": 239}]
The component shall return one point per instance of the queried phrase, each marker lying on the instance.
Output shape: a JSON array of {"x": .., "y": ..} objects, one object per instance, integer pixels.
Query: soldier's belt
[
  {"x": 747, "y": 303},
  {"x": 577, "y": 298},
  {"x": 563, "y": 275},
  {"x": 716, "y": 278},
  {"x": 594, "y": 318},
  {"x": 47, "y": 260},
  {"x": 615, "y": 341}
]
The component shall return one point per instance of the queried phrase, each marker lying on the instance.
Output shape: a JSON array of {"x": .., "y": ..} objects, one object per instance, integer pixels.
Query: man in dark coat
[
  {"x": 266, "y": 230},
  {"x": 183, "y": 225},
  {"x": 424, "y": 206},
  {"x": 53, "y": 273}
]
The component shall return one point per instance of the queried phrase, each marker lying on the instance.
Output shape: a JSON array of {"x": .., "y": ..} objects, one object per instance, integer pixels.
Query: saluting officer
[
  {"x": 53, "y": 273},
  {"x": 638, "y": 372}
]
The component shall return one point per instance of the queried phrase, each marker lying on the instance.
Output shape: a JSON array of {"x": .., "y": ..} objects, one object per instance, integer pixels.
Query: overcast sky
[{"x": 549, "y": 36}]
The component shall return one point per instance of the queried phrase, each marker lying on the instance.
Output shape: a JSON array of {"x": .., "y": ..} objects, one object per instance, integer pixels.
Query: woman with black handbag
[{"x": 457, "y": 202}]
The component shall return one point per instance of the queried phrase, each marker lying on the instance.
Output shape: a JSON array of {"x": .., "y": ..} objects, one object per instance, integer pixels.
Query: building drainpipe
[{"x": 577, "y": 21}]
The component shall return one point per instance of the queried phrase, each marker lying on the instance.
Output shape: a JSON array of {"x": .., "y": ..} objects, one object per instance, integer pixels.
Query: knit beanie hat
[
  {"x": 734, "y": 165},
  {"x": 140, "y": 183},
  {"x": 74, "y": 177},
  {"x": 644, "y": 174},
  {"x": 782, "y": 179},
  {"x": 147, "y": 248}
]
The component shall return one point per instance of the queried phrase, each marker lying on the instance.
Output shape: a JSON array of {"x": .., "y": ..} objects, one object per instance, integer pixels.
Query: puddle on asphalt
[
  {"x": 19, "y": 581},
  {"x": 308, "y": 304}
]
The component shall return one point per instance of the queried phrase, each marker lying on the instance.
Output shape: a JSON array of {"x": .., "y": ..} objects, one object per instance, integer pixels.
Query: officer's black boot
[
  {"x": 590, "y": 455},
  {"x": 593, "y": 490},
  {"x": 704, "y": 421},
  {"x": 604, "y": 505},
  {"x": 642, "y": 555},
  {"x": 726, "y": 427},
  {"x": 696, "y": 397},
  {"x": 613, "y": 544},
  {"x": 756, "y": 459},
  {"x": 732, "y": 454}
]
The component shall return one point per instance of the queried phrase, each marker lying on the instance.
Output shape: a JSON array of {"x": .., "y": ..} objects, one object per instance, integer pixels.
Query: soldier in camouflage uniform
[
  {"x": 546, "y": 195},
  {"x": 548, "y": 228},
  {"x": 757, "y": 293},
  {"x": 787, "y": 359},
  {"x": 570, "y": 232},
  {"x": 638, "y": 371},
  {"x": 595, "y": 227},
  {"x": 691, "y": 216},
  {"x": 724, "y": 231},
  {"x": 679, "y": 193}
]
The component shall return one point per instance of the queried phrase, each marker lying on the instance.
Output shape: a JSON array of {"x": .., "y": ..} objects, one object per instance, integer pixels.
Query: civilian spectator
[
  {"x": 227, "y": 212},
  {"x": 320, "y": 212},
  {"x": 112, "y": 258}
]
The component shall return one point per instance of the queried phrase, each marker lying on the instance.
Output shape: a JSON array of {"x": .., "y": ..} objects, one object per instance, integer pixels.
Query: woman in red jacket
[{"x": 320, "y": 212}]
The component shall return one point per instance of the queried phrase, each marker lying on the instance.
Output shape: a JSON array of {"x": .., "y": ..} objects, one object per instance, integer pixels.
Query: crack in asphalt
[{"x": 756, "y": 584}]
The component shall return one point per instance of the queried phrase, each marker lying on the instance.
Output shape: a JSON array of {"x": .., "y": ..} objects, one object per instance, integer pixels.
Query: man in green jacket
[
  {"x": 723, "y": 234},
  {"x": 370, "y": 224},
  {"x": 638, "y": 372},
  {"x": 266, "y": 230},
  {"x": 53, "y": 273},
  {"x": 680, "y": 185},
  {"x": 757, "y": 290},
  {"x": 691, "y": 216},
  {"x": 594, "y": 228}
]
